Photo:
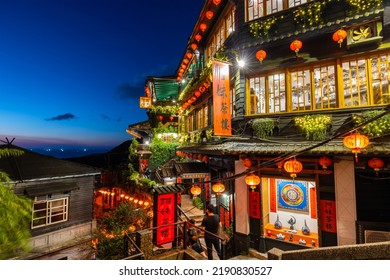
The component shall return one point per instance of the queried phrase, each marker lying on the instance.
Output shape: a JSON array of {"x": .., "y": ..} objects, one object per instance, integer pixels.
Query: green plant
[
  {"x": 209, "y": 133},
  {"x": 377, "y": 128},
  {"x": 362, "y": 5},
  {"x": 315, "y": 127},
  {"x": 197, "y": 202},
  {"x": 161, "y": 152},
  {"x": 262, "y": 28},
  {"x": 309, "y": 15},
  {"x": 263, "y": 127},
  {"x": 15, "y": 215},
  {"x": 166, "y": 109}
]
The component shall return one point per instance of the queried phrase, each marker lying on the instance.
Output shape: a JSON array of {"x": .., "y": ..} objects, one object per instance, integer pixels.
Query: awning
[
  {"x": 168, "y": 189},
  {"x": 50, "y": 188}
]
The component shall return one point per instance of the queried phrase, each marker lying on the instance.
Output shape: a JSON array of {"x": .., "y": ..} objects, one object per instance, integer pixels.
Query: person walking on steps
[{"x": 211, "y": 224}]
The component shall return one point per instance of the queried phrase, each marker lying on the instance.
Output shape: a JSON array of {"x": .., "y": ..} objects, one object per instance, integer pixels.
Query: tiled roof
[
  {"x": 240, "y": 147},
  {"x": 31, "y": 165}
]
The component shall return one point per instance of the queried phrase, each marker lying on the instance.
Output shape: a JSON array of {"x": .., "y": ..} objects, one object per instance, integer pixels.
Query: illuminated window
[
  {"x": 259, "y": 8},
  {"x": 380, "y": 71},
  {"x": 50, "y": 209},
  {"x": 355, "y": 82},
  {"x": 301, "y": 90},
  {"x": 277, "y": 93},
  {"x": 325, "y": 87}
]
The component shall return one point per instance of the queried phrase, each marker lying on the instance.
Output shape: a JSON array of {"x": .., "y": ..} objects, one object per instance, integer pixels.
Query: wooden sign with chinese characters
[
  {"x": 165, "y": 215},
  {"x": 254, "y": 205},
  {"x": 328, "y": 215},
  {"x": 145, "y": 102},
  {"x": 221, "y": 99}
]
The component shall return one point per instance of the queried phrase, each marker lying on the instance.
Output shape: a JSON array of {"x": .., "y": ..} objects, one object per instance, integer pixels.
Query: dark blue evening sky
[{"x": 72, "y": 71}]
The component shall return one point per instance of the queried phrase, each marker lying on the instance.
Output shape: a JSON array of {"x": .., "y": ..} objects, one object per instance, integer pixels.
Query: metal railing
[{"x": 135, "y": 250}]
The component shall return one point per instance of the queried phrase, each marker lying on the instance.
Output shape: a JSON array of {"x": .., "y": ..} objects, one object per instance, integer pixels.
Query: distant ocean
[{"x": 64, "y": 153}]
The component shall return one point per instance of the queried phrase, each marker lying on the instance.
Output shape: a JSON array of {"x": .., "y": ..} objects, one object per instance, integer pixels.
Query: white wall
[{"x": 344, "y": 174}]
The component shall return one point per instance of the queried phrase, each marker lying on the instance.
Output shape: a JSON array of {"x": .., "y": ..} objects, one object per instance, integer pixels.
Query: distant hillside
[{"x": 116, "y": 157}]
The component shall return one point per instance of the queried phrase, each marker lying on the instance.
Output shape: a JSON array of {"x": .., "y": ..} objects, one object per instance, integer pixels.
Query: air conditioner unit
[{"x": 372, "y": 236}]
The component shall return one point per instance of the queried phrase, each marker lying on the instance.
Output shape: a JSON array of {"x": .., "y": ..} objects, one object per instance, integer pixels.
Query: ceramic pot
[{"x": 278, "y": 223}]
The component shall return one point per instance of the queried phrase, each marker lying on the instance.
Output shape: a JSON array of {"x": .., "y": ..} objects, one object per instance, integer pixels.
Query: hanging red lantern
[
  {"x": 194, "y": 46},
  {"x": 252, "y": 181},
  {"x": 203, "y": 27},
  {"x": 209, "y": 14},
  {"x": 198, "y": 37},
  {"x": 160, "y": 117},
  {"x": 205, "y": 159},
  {"x": 295, "y": 46},
  {"x": 260, "y": 55},
  {"x": 247, "y": 162},
  {"x": 293, "y": 167},
  {"x": 195, "y": 190},
  {"x": 356, "y": 142},
  {"x": 325, "y": 162},
  {"x": 339, "y": 36},
  {"x": 186, "y": 60},
  {"x": 218, "y": 188},
  {"x": 217, "y": 2},
  {"x": 376, "y": 164},
  {"x": 198, "y": 93},
  {"x": 189, "y": 55}
]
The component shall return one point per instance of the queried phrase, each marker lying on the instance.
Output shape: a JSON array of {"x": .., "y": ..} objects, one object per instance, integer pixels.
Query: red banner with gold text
[{"x": 221, "y": 99}]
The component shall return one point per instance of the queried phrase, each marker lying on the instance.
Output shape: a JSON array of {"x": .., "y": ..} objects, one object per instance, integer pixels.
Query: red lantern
[
  {"x": 252, "y": 180},
  {"x": 205, "y": 159},
  {"x": 209, "y": 14},
  {"x": 218, "y": 188},
  {"x": 247, "y": 162},
  {"x": 189, "y": 55},
  {"x": 198, "y": 93},
  {"x": 203, "y": 27},
  {"x": 356, "y": 141},
  {"x": 194, "y": 46},
  {"x": 217, "y": 2},
  {"x": 339, "y": 36},
  {"x": 376, "y": 164},
  {"x": 295, "y": 46},
  {"x": 198, "y": 37},
  {"x": 293, "y": 167},
  {"x": 325, "y": 162},
  {"x": 195, "y": 190},
  {"x": 160, "y": 118},
  {"x": 260, "y": 55}
]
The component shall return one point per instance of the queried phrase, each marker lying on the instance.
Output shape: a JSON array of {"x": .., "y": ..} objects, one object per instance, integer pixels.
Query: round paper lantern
[
  {"x": 218, "y": 188},
  {"x": 293, "y": 167},
  {"x": 356, "y": 142},
  {"x": 205, "y": 159},
  {"x": 339, "y": 36},
  {"x": 217, "y": 2},
  {"x": 252, "y": 180},
  {"x": 195, "y": 190},
  {"x": 203, "y": 27},
  {"x": 198, "y": 37},
  {"x": 295, "y": 46},
  {"x": 194, "y": 46},
  {"x": 209, "y": 14},
  {"x": 189, "y": 55},
  {"x": 247, "y": 162},
  {"x": 260, "y": 55},
  {"x": 376, "y": 164},
  {"x": 325, "y": 162},
  {"x": 198, "y": 93}
]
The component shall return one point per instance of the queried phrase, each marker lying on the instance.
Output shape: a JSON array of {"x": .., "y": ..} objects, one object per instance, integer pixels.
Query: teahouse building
[{"x": 308, "y": 114}]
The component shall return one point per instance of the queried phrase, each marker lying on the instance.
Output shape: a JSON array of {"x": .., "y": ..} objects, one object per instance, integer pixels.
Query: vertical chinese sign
[
  {"x": 254, "y": 205},
  {"x": 221, "y": 99},
  {"x": 165, "y": 215},
  {"x": 328, "y": 215}
]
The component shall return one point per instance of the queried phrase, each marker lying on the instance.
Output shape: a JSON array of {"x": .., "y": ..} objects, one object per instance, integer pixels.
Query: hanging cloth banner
[{"x": 221, "y": 99}]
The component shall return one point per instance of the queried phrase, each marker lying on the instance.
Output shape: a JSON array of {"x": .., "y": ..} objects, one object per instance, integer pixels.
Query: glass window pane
[
  {"x": 301, "y": 90},
  {"x": 325, "y": 87}
]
